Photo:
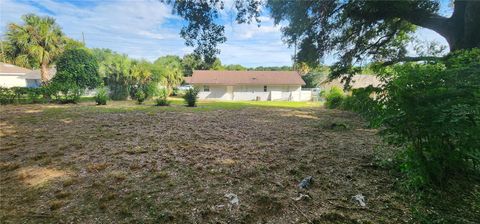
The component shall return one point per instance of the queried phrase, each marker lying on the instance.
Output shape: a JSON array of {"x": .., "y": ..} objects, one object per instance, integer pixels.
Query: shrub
[
  {"x": 190, "y": 97},
  {"x": 19, "y": 92},
  {"x": 162, "y": 98},
  {"x": 151, "y": 89},
  {"x": 361, "y": 101},
  {"x": 175, "y": 91},
  {"x": 51, "y": 92},
  {"x": 432, "y": 111},
  {"x": 140, "y": 96},
  {"x": 65, "y": 92},
  {"x": 115, "y": 69},
  {"x": 21, "y": 95},
  {"x": 334, "y": 98},
  {"x": 178, "y": 92},
  {"x": 102, "y": 96},
  {"x": 77, "y": 70},
  {"x": 7, "y": 95},
  {"x": 34, "y": 95},
  {"x": 118, "y": 91}
]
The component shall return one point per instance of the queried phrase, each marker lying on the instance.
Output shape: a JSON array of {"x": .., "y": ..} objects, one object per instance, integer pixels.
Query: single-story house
[
  {"x": 358, "y": 81},
  {"x": 249, "y": 85},
  {"x": 37, "y": 73},
  {"x": 15, "y": 76}
]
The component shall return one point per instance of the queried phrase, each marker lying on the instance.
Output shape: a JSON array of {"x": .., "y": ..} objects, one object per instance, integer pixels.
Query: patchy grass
[
  {"x": 178, "y": 105},
  {"x": 86, "y": 106},
  {"x": 129, "y": 163}
]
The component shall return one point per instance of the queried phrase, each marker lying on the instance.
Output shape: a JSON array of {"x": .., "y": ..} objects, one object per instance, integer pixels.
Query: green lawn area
[
  {"x": 177, "y": 104},
  {"x": 225, "y": 105}
]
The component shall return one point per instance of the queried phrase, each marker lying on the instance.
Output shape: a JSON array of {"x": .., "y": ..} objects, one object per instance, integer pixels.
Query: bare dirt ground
[{"x": 65, "y": 166}]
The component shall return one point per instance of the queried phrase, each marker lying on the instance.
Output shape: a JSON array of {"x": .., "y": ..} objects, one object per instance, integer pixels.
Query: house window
[
  {"x": 33, "y": 83},
  {"x": 206, "y": 89},
  {"x": 264, "y": 88}
]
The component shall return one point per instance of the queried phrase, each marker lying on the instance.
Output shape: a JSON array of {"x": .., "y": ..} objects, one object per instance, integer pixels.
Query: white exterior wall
[
  {"x": 215, "y": 93},
  {"x": 251, "y": 92},
  {"x": 247, "y": 93},
  {"x": 306, "y": 95},
  {"x": 12, "y": 80}
]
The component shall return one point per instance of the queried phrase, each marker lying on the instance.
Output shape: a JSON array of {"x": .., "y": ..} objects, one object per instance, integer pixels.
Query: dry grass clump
[
  {"x": 96, "y": 167},
  {"x": 34, "y": 176}
]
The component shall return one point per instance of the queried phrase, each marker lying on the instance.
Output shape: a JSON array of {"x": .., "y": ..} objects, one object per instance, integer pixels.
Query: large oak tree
[{"x": 355, "y": 29}]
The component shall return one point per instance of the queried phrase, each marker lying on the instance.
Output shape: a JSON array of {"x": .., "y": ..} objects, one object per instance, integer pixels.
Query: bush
[
  {"x": 334, "y": 98},
  {"x": 140, "y": 96},
  {"x": 21, "y": 95},
  {"x": 162, "y": 98},
  {"x": 151, "y": 89},
  {"x": 175, "y": 91},
  {"x": 34, "y": 95},
  {"x": 19, "y": 92},
  {"x": 432, "y": 111},
  {"x": 118, "y": 91},
  {"x": 178, "y": 92},
  {"x": 51, "y": 92},
  {"x": 190, "y": 97},
  {"x": 65, "y": 92},
  {"x": 102, "y": 96},
  {"x": 77, "y": 70},
  {"x": 7, "y": 96},
  {"x": 362, "y": 102}
]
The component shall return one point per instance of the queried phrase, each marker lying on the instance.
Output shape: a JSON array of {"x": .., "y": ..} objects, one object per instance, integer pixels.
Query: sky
[{"x": 147, "y": 29}]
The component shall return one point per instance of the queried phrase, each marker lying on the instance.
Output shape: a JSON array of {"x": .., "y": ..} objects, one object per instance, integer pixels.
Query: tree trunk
[
  {"x": 469, "y": 36},
  {"x": 461, "y": 30},
  {"x": 463, "y": 27},
  {"x": 44, "y": 73}
]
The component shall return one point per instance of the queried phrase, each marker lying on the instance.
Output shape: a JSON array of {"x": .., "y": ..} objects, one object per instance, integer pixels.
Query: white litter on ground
[
  {"x": 302, "y": 196},
  {"x": 233, "y": 199},
  {"x": 360, "y": 199}
]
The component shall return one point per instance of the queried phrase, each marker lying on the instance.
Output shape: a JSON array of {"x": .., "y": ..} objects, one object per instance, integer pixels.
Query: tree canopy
[
  {"x": 78, "y": 66},
  {"x": 77, "y": 70},
  {"x": 35, "y": 43},
  {"x": 170, "y": 70},
  {"x": 356, "y": 29},
  {"x": 192, "y": 62}
]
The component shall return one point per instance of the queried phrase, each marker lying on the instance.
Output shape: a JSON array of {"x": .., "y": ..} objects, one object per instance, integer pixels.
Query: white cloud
[
  {"x": 248, "y": 31},
  {"x": 157, "y": 36},
  {"x": 147, "y": 29},
  {"x": 134, "y": 28},
  {"x": 11, "y": 12},
  {"x": 253, "y": 45}
]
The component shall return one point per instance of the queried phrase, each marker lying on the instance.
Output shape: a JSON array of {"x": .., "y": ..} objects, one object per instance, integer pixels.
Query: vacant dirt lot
[{"x": 67, "y": 165}]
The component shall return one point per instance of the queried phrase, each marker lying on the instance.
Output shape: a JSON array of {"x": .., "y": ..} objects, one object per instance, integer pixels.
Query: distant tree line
[{"x": 39, "y": 43}]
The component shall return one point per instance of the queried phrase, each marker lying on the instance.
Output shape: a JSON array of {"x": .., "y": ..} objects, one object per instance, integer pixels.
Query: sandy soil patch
[{"x": 35, "y": 176}]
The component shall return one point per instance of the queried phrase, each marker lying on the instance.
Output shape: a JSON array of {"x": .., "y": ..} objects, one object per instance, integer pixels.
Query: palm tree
[
  {"x": 117, "y": 75},
  {"x": 172, "y": 77},
  {"x": 140, "y": 73},
  {"x": 170, "y": 70},
  {"x": 37, "y": 42}
]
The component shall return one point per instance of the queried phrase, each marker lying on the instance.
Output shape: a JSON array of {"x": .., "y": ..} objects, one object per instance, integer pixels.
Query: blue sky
[{"x": 147, "y": 29}]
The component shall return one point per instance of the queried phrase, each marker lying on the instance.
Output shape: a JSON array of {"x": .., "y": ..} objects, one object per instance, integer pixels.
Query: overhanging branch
[{"x": 412, "y": 59}]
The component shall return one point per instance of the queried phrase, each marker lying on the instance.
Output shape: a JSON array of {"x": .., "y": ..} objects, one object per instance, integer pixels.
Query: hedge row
[{"x": 22, "y": 95}]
